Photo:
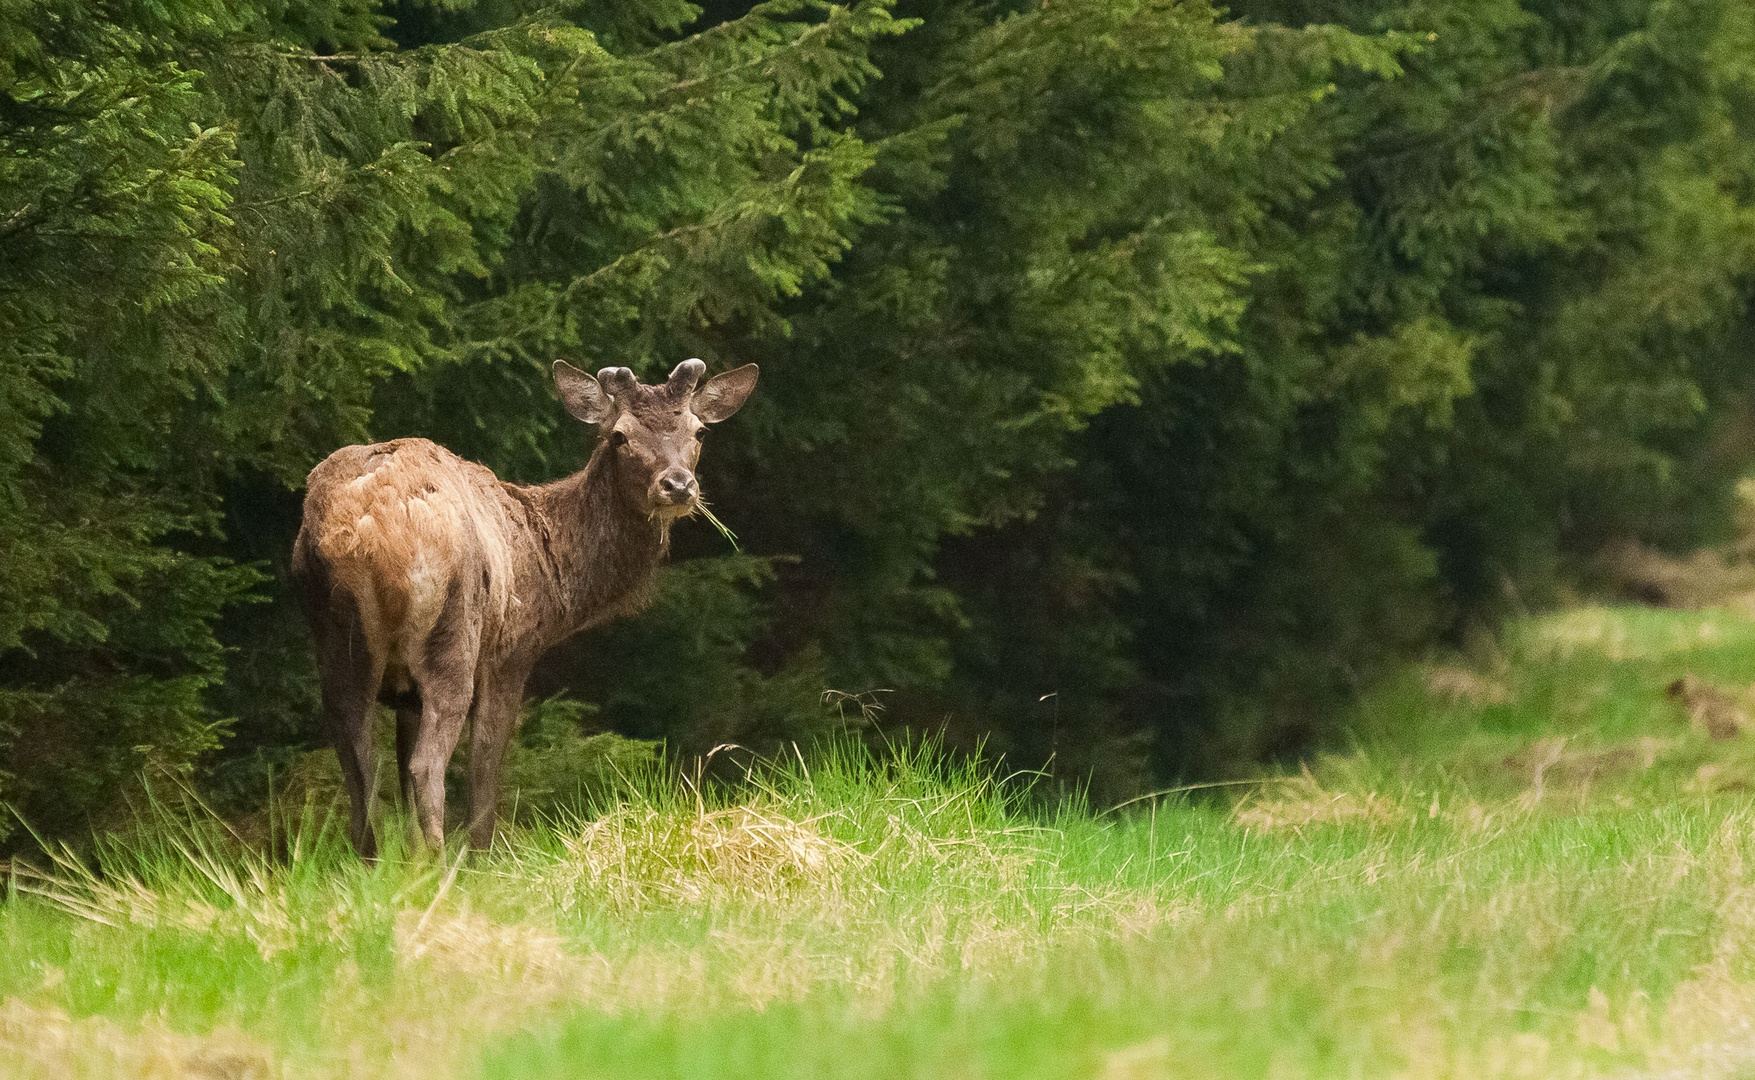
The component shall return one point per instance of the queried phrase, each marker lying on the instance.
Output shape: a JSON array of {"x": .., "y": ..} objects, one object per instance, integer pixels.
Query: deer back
[{"x": 405, "y": 526}]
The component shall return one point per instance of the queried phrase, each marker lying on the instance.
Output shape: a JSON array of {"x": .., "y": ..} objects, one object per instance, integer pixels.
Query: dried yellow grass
[
  {"x": 796, "y": 910},
  {"x": 1708, "y": 1028},
  {"x": 1707, "y": 578},
  {"x": 1460, "y": 685},
  {"x": 1301, "y": 802},
  {"x": 1607, "y": 632},
  {"x": 40, "y": 1043},
  {"x": 793, "y": 909},
  {"x": 465, "y": 946},
  {"x": 1555, "y": 772},
  {"x": 638, "y": 856},
  {"x": 856, "y": 897},
  {"x": 1149, "y": 1060}
]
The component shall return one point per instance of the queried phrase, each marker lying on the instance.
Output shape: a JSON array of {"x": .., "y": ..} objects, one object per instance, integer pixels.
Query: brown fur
[{"x": 433, "y": 586}]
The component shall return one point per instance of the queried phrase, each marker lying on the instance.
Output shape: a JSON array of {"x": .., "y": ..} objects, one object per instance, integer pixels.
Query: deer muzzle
[{"x": 675, "y": 487}]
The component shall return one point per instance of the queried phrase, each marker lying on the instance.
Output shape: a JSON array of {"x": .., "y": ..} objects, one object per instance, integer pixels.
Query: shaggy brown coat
[{"x": 433, "y": 586}]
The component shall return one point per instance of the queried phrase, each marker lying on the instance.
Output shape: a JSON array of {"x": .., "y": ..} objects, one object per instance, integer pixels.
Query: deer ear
[
  {"x": 725, "y": 393},
  {"x": 581, "y": 394}
]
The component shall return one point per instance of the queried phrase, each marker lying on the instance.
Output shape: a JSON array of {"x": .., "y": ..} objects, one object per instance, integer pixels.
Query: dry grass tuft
[
  {"x": 39, "y": 1043},
  {"x": 1459, "y": 685},
  {"x": 936, "y": 886},
  {"x": 1149, "y": 1060},
  {"x": 638, "y": 856},
  {"x": 1608, "y": 633},
  {"x": 463, "y": 945},
  {"x": 1551, "y": 769},
  {"x": 1300, "y": 802},
  {"x": 236, "y": 896},
  {"x": 464, "y": 978},
  {"x": 1708, "y": 1028},
  {"x": 1706, "y": 578}
]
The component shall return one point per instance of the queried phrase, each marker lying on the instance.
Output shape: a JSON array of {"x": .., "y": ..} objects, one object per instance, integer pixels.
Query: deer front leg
[
  {"x": 492, "y": 725},
  {"x": 408, "y": 716}
]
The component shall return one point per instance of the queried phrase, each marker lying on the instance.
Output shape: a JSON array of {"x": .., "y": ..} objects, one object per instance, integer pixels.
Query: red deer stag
[{"x": 434, "y": 587}]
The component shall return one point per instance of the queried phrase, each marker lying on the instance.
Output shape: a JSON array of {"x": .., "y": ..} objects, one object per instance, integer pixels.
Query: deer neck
[{"x": 601, "y": 554}]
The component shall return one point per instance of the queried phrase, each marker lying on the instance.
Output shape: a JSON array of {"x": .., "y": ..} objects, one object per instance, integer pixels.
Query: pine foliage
[{"x": 1141, "y": 378}]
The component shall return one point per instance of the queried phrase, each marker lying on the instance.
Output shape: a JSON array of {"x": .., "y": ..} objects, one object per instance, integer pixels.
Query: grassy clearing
[{"x": 1538, "y": 866}]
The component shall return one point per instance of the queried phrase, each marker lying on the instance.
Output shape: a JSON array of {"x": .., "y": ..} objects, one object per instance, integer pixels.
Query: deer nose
[{"x": 677, "y": 486}]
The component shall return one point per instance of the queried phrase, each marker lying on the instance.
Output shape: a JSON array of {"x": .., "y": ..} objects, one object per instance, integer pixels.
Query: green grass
[{"x": 1532, "y": 868}]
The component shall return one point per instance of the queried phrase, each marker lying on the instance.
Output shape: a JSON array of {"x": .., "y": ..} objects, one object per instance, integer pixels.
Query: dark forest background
[{"x": 1141, "y": 380}]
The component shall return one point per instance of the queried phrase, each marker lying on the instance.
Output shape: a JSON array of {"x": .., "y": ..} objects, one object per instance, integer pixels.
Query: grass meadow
[{"x": 1538, "y": 864}]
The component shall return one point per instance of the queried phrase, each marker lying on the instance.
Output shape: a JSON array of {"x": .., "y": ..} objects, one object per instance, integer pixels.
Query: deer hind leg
[
  {"x": 446, "y": 677},
  {"x": 443, "y": 709},
  {"x": 349, "y": 675}
]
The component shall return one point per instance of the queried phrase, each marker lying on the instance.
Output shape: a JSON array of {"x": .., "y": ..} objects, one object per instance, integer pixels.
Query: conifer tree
[
  {"x": 1141, "y": 379},
  {"x": 229, "y": 225}
]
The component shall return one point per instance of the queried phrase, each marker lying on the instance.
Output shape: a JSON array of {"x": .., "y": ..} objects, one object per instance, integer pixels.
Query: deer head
[{"x": 653, "y": 433}]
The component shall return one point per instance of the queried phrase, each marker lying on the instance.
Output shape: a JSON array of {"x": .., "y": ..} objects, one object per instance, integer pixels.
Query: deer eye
[
  {"x": 700, "y": 433},
  {"x": 618, "y": 438}
]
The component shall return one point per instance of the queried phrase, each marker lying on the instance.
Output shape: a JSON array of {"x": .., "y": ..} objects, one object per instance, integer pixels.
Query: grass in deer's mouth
[
  {"x": 1516, "y": 897},
  {"x": 707, "y": 512}
]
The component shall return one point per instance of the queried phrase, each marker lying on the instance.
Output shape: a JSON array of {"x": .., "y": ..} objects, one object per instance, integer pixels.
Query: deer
[{"x": 433, "y": 587}]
